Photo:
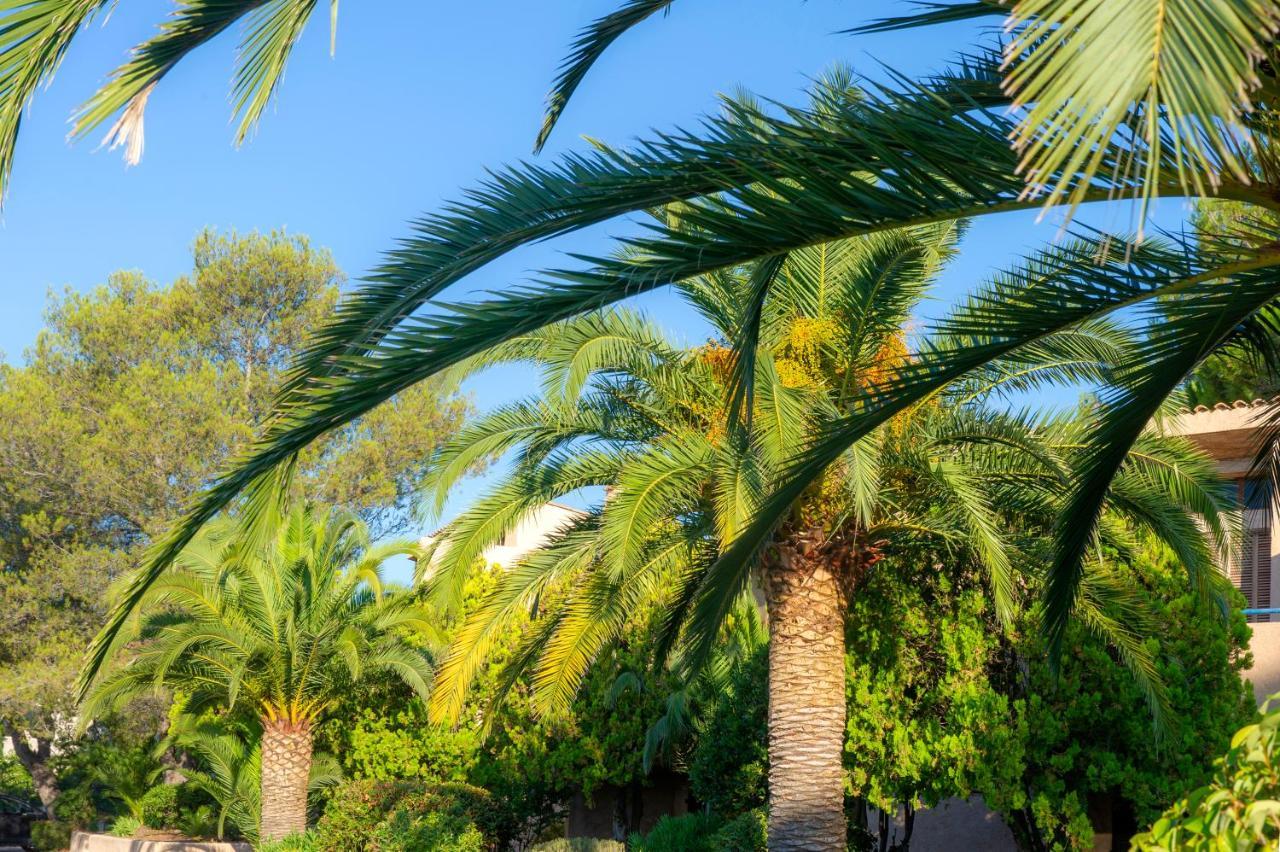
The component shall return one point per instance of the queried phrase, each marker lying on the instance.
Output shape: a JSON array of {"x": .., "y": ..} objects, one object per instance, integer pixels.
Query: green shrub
[
  {"x": 688, "y": 833},
  {"x": 436, "y": 831},
  {"x": 125, "y": 826},
  {"x": 744, "y": 833},
  {"x": 50, "y": 836},
  {"x": 579, "y": 844},
  {"x": 354, "y": 817},
  {"x": 160, "y": 807},
  {"x": 1239, "y": 809},
  {"x": 14, "y": 779},
  {"x": 355, "y": 809},
  {"x": 309, "y": 842}
]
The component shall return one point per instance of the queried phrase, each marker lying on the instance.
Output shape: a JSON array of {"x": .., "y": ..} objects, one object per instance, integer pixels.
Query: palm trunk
[
  {"x": 286, "y": 767},
  {"x": 806, "y": 698},
  {"x": 36, "y": 760}
]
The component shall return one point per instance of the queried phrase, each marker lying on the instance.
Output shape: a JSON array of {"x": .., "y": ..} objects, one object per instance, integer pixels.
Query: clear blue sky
[{"x": 419, "y": 99}]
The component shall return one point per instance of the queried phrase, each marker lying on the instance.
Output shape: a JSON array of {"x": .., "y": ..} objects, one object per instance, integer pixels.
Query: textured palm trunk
[
  {"x": 806, "y": 698},
  {"x": 286, "y": 766}
]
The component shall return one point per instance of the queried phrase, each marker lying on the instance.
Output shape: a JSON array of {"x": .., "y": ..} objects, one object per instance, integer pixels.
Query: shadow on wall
[{"x": 83, "y": 841}]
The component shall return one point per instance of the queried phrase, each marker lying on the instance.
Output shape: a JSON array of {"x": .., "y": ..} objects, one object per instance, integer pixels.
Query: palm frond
[
  {"x": 192, "y": 23},
  {"x": 34, "y": 36},
  {"x": 587, "y": 48},
  {"x": 1170, "y": 75}
]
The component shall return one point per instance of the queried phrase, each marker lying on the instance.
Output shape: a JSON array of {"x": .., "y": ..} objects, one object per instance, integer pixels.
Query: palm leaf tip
[{"x": 590, "y": 44}]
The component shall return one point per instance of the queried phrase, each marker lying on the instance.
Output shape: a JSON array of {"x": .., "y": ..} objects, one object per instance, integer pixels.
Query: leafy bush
[
  {"x": 309, "y": 842},
  {"x": 50, "y": 836},
  {"x": 730, "y": 764},
  {"x": 358, "y": 812},
  {"x": 579, "y": 844},
  {"x": 406, "y": 745},
  {"x": 125, "y": 826},
  {"x": 435, "y": 831},
  {"x": 1239, "y": 809},
  {"x": 159, "y": 807},
  {"x": 1087, "y": 727},
  {"x": 943, "y": 702},
  {"x": 14, "y": 779},
  {"x": 744, "y": 833},
  {"x": 687, "y": 833}
]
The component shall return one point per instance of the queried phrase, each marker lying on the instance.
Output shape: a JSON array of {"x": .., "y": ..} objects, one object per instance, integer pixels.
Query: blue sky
[{"x": 420, "y": 98}]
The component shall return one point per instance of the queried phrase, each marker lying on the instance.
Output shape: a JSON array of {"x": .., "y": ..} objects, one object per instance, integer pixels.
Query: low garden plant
[{"x": 1239, "y": 809}]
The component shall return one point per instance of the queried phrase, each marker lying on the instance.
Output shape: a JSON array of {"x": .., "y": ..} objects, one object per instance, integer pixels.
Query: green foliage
[
  {"x": 125, "y": 774},
  {"x": 1082, "y": 735},
  {"x": 228, "y": 768},
  {"x": 927, "y": 719},
  {"x": 405, "y": 745},
  {"x": 50, "y": 835},
  {"x": 1239, "y": 809},
  {"x": 434, "y": 831},
  {"x": 132, "y": 395},
  {"x": 747, "y": 832},
  {"x": 386, "y": 815},
  {"x": 579, "y": 844},
  {"x": 15, "y": 781},
  {"x": 125, "y": 826},
  {"x": 159, "y": 807},
  {"x": 309, "y": 842},
  {"x": 687, "y": 833},
  {"x": 730, "y": 763}
]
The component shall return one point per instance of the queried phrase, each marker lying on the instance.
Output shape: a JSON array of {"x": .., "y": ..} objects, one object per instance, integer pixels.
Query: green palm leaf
[{"x": 587, "y": 48}]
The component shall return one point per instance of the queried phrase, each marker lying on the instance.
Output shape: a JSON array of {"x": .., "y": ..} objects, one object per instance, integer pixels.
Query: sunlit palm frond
[
  {"x": 34, "y": 36},
  {"x": 193, "y": 23}
]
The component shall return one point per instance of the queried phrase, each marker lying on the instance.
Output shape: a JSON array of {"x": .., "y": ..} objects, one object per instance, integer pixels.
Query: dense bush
[
  {"x": 746, "y": 832},
  {"x": 15, "y": 781},
  {"x": 943, "y": 702},
  {"x": 434, "y": 831},
  {"x": 50, "y": 835},
  {"x": 579, "y": 844},
  {"x": 366, "y": 815},
  {"x": 1087, "y": 728},
  {"x": 687, "y": 833},
  {"x": 1239, "y": 809},
  {"x": 729, "y": 766},
  {"x": 160, "y": 807}
]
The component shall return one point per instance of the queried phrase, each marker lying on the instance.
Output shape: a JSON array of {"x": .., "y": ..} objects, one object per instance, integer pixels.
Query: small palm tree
[
  {"x": 690, "y": 442},
  {"x": 282, "y": 629},
  {"x": 230, "y": 770}
]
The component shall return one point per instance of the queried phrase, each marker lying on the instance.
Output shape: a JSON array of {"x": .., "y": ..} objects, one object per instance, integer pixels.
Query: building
[
  {"x": 1230, "y": 435},
  {"x": 530, "y": 534}
]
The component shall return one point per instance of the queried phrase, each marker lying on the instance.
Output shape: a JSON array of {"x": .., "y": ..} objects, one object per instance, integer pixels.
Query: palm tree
[
  {"x": 754, "y": 186},
  {"x": 229, "y": 769},
  {"x": 689, "y": 443},
  {"x": 281, "y": 629}
]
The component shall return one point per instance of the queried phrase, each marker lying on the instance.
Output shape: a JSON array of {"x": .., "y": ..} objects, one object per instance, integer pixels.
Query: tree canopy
[{"x": 125, "y": 404}]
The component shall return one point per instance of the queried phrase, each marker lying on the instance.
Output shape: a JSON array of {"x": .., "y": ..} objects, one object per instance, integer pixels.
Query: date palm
[
  {"x": 1108, "y": 100},
  {"x": 688, "y": 444},
  {"x": 278, "y": 625}
]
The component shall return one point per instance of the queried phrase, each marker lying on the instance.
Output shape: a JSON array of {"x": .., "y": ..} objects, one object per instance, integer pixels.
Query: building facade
[{"x": 1230, "y": 435}]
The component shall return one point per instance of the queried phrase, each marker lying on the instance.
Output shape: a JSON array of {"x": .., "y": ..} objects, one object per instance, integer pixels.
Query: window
[{"x": 1251, "y": 573}]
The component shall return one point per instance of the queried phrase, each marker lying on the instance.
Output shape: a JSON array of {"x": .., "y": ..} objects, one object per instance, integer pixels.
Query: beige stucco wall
[
  {"x": 1265, "y": 646},
  {"x": 82, "y": 841}
]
